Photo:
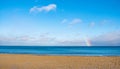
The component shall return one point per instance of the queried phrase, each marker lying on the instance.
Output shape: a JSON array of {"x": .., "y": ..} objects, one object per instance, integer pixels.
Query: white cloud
[
  {"x": 48, "y": 8},
  {"x": 75, "y": 21},
  {"x": 92, "y": 24},
  {"x": 71, "y": 22},
  {"x": 64, "y": 21},
  {"x": 104, "y": 22}
]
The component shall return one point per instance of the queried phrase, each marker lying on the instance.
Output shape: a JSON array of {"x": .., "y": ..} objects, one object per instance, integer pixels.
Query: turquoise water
[{"x": 62, "y": 50}]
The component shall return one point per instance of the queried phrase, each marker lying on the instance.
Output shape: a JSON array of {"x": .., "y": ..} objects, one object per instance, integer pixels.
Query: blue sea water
[{"x": 62, "y": 50}]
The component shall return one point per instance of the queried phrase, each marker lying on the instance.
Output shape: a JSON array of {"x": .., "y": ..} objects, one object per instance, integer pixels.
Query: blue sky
[{"x": 60, "y": 22}]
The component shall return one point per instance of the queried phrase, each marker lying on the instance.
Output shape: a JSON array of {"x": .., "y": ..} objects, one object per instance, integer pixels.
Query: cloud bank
[{"x": 108, "y": 39}]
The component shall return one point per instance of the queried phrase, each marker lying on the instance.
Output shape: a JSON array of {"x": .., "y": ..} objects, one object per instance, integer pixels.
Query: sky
[{"x": 60, "y": 22}]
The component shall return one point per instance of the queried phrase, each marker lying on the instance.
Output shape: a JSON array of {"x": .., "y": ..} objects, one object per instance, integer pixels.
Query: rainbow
[{"x": 88, "y": 42}]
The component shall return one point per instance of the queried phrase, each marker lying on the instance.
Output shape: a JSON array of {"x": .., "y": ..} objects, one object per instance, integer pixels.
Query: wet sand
[{"x": 16, "y": 61}]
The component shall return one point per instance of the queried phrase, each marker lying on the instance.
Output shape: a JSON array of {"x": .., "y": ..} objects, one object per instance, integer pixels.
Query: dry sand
[{"x": 11, "y": 61}]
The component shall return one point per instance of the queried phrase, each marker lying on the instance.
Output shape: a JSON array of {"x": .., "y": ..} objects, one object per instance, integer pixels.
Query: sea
[{"x": 62, "y": 50}]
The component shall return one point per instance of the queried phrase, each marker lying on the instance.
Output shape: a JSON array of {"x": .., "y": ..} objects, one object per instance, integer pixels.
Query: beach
[{"x": 23, "y": 61}]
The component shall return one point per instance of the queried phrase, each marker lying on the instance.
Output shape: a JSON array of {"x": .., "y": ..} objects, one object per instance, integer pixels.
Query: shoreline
[
  {"x": 23, "y": 61},
  {"x": 62, "y": 55}
]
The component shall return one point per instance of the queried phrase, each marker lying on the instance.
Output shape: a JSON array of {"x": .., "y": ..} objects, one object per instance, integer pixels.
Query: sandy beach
[{"x": 11, "y": 61}]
